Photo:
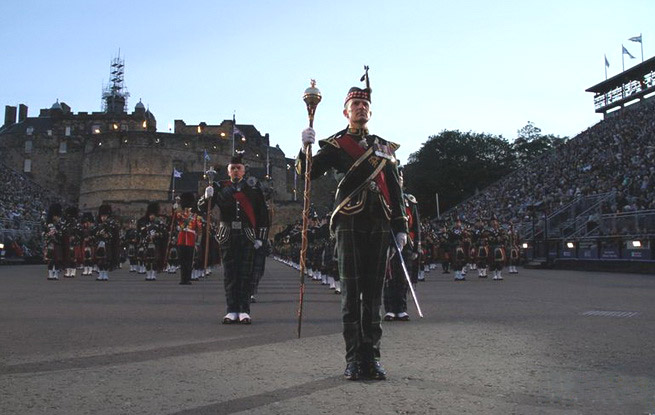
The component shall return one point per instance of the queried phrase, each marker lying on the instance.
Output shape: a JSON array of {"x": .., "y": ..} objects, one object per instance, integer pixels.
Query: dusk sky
[{"x": 470, "y": 65}]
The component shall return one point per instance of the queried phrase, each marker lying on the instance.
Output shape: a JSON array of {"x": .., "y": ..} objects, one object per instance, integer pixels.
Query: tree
[
  {"x": 530, "y": 143},
  {"x": 456, "y": 165}
]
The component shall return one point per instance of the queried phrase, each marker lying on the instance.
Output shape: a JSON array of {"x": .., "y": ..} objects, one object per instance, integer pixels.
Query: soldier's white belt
[{"x": 233, "y": 225}]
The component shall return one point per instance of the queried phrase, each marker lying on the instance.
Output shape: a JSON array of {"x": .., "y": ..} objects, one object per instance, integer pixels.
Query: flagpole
[
  {"x": 173, "y": 193},
  {"x": 641, "y": 42},
  {"x": 605, "y": 65},
  {"x": 234, "y": 122},
  {"x": 623, "y": 58},
  {"x": 204, "y": 160}
]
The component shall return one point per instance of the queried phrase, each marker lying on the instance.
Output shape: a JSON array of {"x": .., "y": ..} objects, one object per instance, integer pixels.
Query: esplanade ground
[{"x": 540, "y": 342}]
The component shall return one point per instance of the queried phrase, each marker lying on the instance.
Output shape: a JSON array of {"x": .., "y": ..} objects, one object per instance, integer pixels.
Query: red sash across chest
[
  {"x": 355, "y": 151},
  {"x": 245, "y": 204}
]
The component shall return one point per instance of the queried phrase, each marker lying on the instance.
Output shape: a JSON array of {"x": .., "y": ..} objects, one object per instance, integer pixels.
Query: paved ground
[{"x": 542, "y": 342}]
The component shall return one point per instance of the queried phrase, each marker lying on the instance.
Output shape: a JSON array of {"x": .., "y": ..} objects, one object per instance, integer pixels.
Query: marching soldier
[
  {"x": 87, "y": 243},
  {"x": 480, "y": 243},
  {"x": 369, "y": 205},
  {"x": 132, "y": 244},
  {"x": 189, "y": 226},
  {"x": 107, "y": 242},
  {"x": 152, "y": 232},
  {"x": 396, "y": 286},
  {"x": 457, "y": 237},
  {"x": 53, "y": 236},
  {"x": 497, "y": 241},
  {"x": 243, "y": 229},
  {"x": 72, "y": 240},
  {"x": 443, "y": 249},
  {"x": 514, "y": 251}
]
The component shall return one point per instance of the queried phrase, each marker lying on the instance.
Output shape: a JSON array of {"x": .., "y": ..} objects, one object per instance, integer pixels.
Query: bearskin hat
[
  {"x": 104, "y": 210},
  {"x": 187, "y": 200},
  {"x": 72, "y": 212},
  {"x": 152, "y": 209},
  {"x": 54, "y": 210}
]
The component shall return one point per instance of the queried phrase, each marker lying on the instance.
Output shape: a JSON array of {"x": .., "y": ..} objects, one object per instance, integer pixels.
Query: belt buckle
[{"x": 236, "y": 225}]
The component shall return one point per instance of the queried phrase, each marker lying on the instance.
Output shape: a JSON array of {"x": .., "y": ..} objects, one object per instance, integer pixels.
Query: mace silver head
[
  {"x": 312, "y": 94},
  {"x": 210, "y": 174},
  {"x": 312, "y": 97}
]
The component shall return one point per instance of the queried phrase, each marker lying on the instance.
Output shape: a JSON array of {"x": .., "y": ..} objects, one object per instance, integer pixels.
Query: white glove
[
  {"x": 176, "y": 206},
  {"x": 401, "y": 239},
  {"x": 209, "y": 192},
  {"x": 258, "y": 244},
  {"x": 414, "y": 256},
  {"x": 308, "y": 136}
]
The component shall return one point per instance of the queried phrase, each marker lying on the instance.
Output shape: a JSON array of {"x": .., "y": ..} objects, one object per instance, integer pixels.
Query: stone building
[{"x": 119, "y": 157}]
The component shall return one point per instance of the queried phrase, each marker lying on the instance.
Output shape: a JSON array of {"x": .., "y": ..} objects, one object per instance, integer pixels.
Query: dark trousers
[
  {"x": 362, "y": 244},
  {"x": 185, "y": 254},
  {"x": 396, "y": 288},
  {"x": 237, "y": 255}
]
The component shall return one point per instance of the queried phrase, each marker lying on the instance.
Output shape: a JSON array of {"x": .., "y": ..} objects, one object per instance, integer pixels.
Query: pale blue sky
[{"x": 469, "y": 65}]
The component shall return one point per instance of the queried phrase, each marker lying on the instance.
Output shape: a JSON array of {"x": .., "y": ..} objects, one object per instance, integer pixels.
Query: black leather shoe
[
  {"x": 352, "y": 371},
  {"x": 375, "y": 371}
]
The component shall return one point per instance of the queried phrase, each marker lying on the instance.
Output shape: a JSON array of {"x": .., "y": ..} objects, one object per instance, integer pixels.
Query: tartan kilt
[
  {"x": 499, "y": 254},
  {"x": 131, "y": 251},
  {"x": 460, "y": 254},
  {"x": 54, "y": 252},
  {"x": 172, "y": 253},
  {"x": 473, "y": 254},
  {"x": 87, "y": 253}
]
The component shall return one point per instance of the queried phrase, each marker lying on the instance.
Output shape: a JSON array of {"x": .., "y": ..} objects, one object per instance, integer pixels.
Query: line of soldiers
[
  {"x": 483, "y": 245},
  {"x": 321, "y": 261},
  {"x": 165, "y": 243},
  {"x": 152, "y": 243},
  {"x": 71, "y": 242}
]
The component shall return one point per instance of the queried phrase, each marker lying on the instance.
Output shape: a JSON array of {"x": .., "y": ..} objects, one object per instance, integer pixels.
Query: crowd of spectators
[
  {"x": 614, "y": 157},
  {"x": 22, "y": 206}
]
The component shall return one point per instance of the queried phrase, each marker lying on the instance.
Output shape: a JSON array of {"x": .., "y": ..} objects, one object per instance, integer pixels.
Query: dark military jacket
[
  {"x": 251, "y": 208},
  {"x": 332, "y": 155}
]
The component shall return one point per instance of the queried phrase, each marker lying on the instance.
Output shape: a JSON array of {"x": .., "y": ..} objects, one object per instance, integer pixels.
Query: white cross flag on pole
[
  {"x": 176, "y": 174},
  {"x": 636, "y": 38},
  {"x": 625, "y": 52}
]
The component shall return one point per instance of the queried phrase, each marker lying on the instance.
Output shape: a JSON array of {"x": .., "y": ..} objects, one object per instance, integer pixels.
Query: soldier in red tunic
[{"x": 189, "y": 226}]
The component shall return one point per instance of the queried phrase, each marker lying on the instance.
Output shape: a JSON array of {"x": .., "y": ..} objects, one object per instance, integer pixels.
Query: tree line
[{"x": 456, "y": 165}]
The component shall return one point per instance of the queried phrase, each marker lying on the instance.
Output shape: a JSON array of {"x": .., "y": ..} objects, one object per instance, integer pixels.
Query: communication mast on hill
[{"x": 114, "y": 94}]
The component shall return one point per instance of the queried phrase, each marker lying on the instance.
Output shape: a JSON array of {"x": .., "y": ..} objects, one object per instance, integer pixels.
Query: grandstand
[
  {"x": 592, "y": 199},
  {"x": 22, "y": 204}
]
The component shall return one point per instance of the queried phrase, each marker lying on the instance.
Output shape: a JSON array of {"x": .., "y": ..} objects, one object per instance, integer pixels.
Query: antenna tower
[{"x": 114, "y": 94}]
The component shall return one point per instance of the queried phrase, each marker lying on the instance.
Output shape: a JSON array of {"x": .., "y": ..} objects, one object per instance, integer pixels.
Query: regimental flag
[
  {"x": 625, "y": 52},
  {"x": 176, "y": 174},
  {"x": 636, "y": 38},
  {"x": 607, "y": 63},
  {"x": 206, "y": 156}
]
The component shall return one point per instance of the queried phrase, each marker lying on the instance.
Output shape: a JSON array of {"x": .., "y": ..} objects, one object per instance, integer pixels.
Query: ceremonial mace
[
  {"x": 311, "y": 97},
  {"x": 170, "y": 230},
  {"x": 210, "y": 174}
]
